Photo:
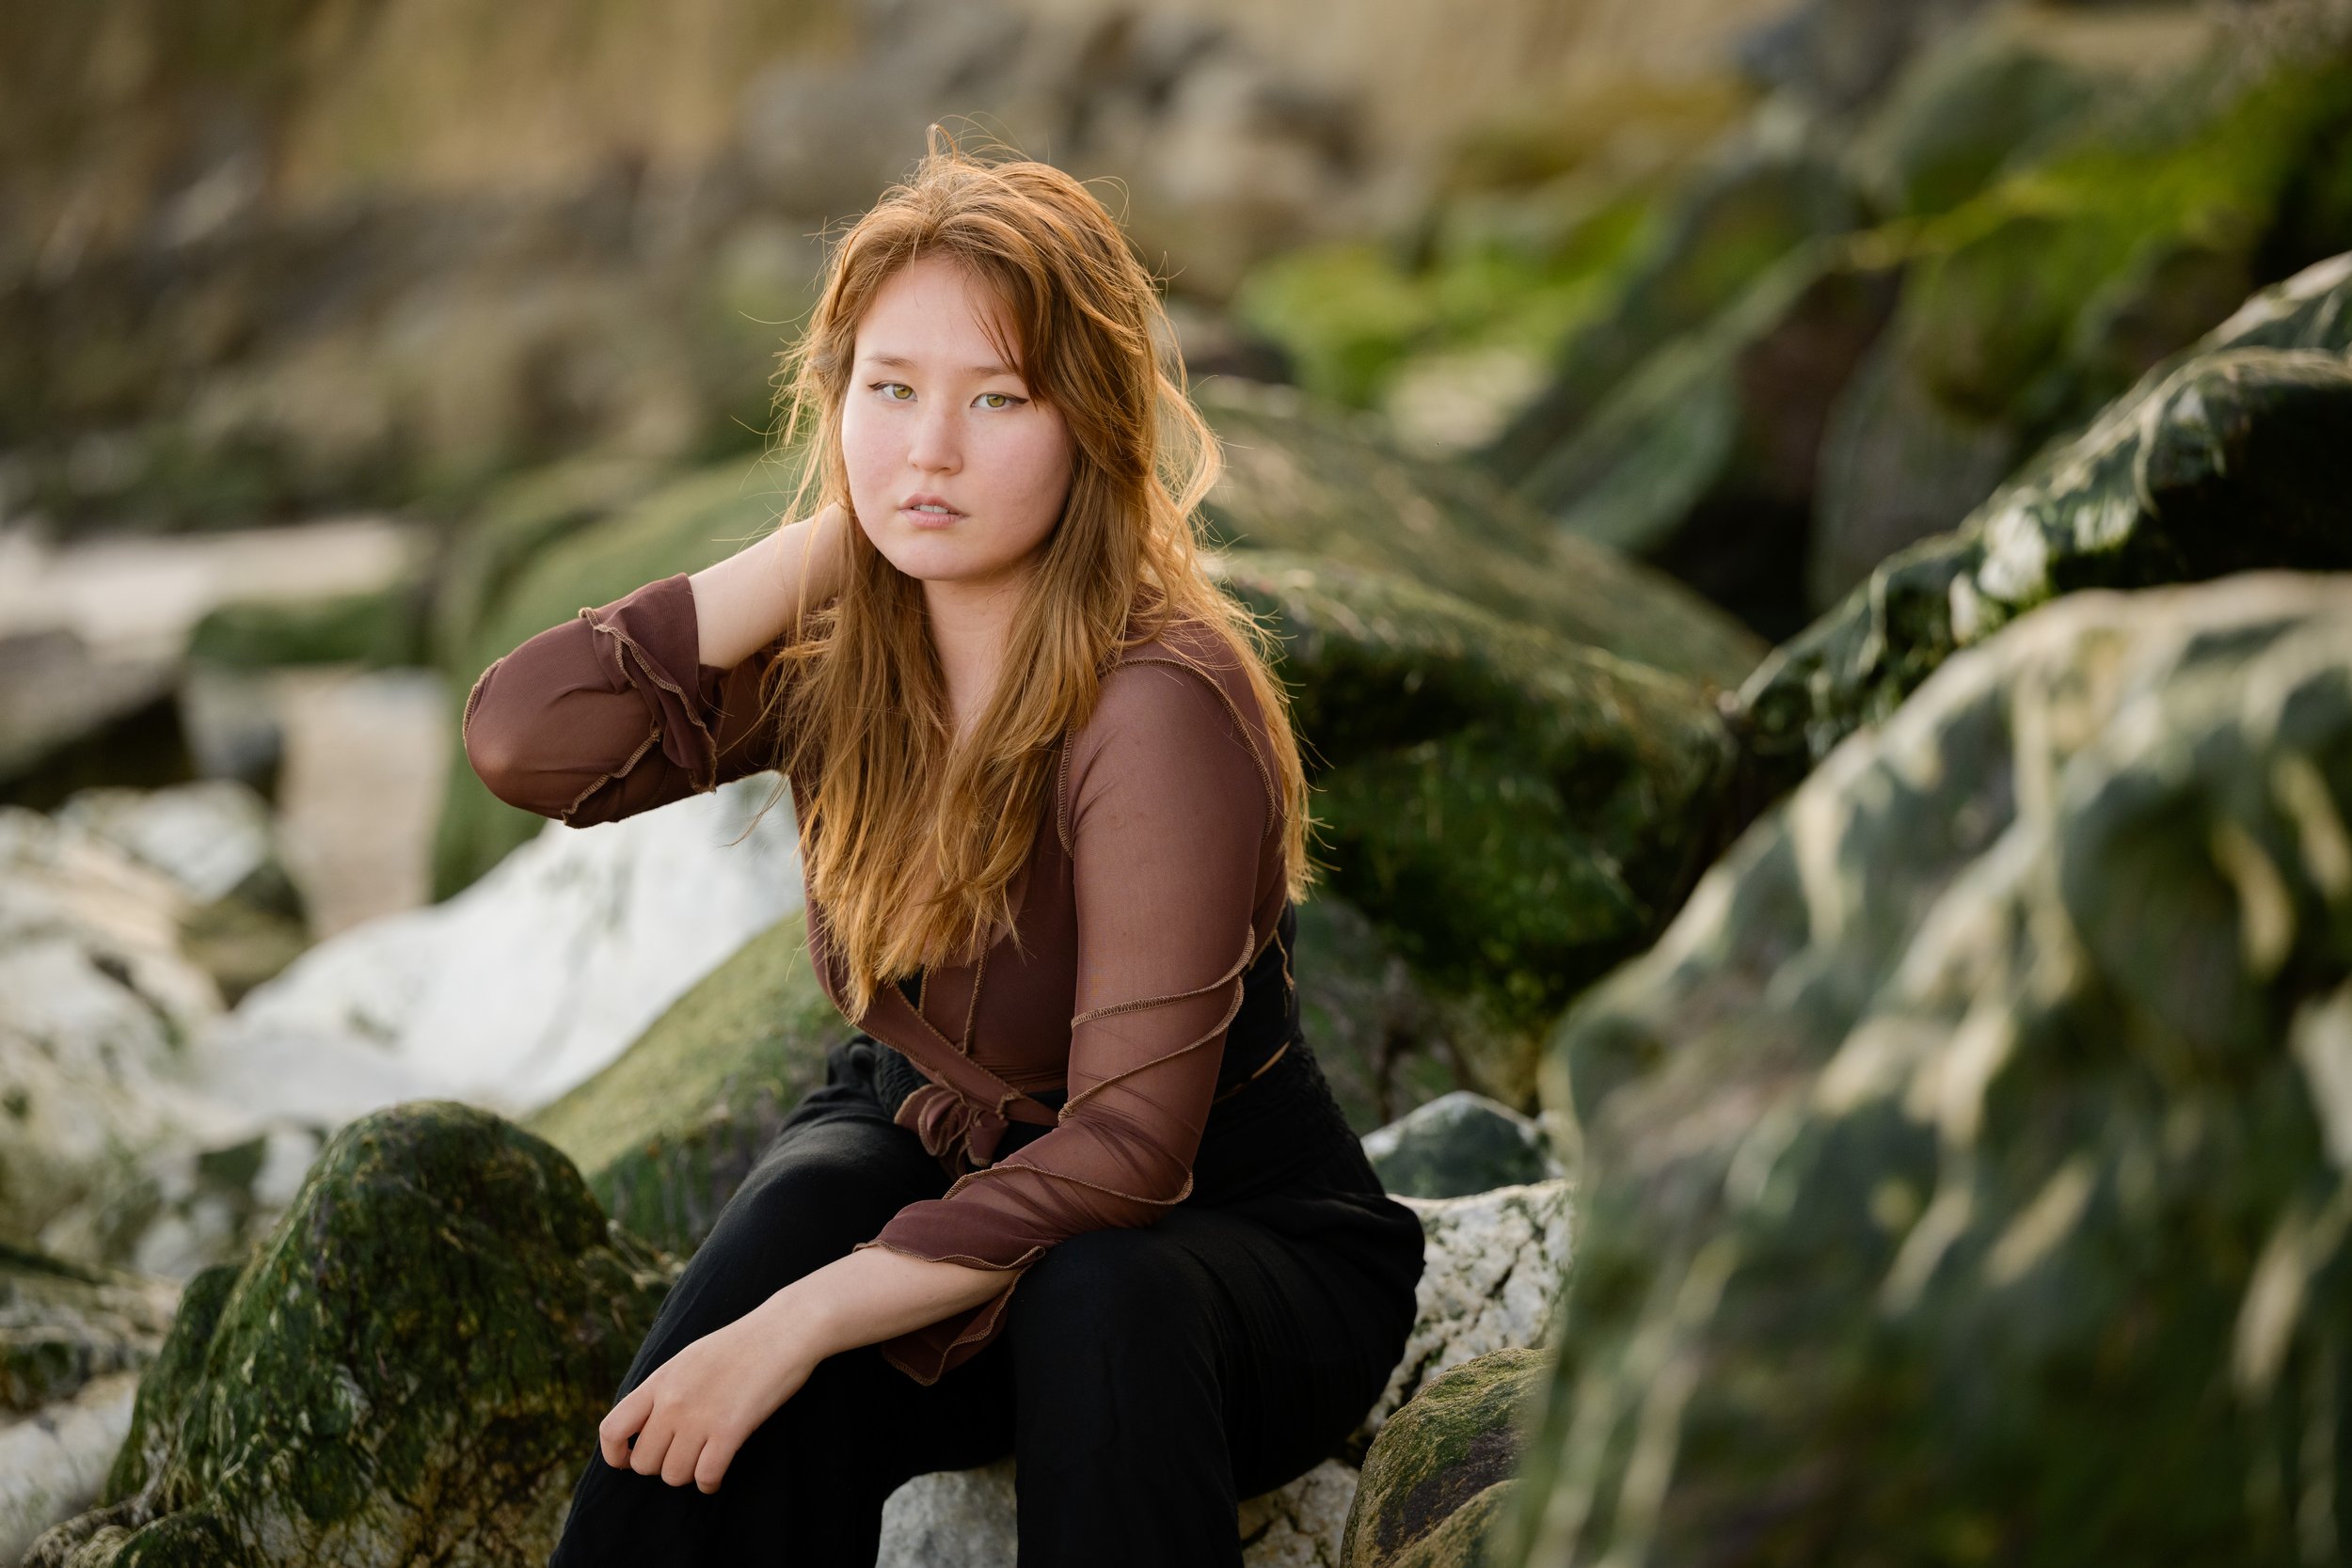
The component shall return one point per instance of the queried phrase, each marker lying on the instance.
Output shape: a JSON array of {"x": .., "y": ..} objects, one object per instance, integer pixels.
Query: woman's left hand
[{"x": 695, "y": 1410}]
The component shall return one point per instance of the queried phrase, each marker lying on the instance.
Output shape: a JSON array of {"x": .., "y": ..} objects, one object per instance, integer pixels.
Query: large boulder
[
  {"x": 403, "y": 1372},
  {"x": 2221, "y": 459},
  {"x": 1773, "y": 185},
  {"x": 2031, "y": 304},
  {"x": 1436, "y": 1482},
  {"x": 1514, "y": 810},
  {"x": 1304, "y": 481},
  {"x": 1966, "y": 1168}
]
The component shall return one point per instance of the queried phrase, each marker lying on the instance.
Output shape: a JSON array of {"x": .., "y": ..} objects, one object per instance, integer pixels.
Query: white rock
[
  {"x": 53, "y": 1462},
  {"x": 206, "y": 836},
  {"x": 97, "y": 1011},
  {"x": 1496, "y": 1265},
  {"x": 968, "y": 1519},
  {"x": 526, "y": 983}
]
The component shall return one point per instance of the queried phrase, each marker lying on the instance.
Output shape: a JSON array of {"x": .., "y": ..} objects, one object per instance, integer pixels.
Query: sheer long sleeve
[
  {"x": 1168, "y": 818},
  {"x": 612, "y": 712}
]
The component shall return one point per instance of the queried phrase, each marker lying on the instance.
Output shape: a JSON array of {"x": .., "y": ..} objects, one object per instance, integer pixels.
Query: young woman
[{"x": 1075, "y": 1191}]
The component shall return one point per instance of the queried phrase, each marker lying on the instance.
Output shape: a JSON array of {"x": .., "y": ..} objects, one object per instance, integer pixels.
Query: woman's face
[{"x": 934, "y": 421}]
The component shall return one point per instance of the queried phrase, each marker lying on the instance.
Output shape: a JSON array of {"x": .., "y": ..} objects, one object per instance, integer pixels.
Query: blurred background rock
[{"x": 1675, "y": 440}]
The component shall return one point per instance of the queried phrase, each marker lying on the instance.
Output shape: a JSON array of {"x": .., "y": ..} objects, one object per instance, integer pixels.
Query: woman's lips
[{"x": 921, "y": 518}]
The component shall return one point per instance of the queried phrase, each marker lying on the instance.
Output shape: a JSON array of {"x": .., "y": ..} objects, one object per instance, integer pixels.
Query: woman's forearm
[
  {"x": 874, "y": 1294},
  {"x": 749, "y": 600}
]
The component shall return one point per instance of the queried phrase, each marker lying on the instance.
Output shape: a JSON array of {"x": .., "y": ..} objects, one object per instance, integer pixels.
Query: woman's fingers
[
  {"x": 718, "y": 1454},
  {"x": 653, "y": 1443},
  {"x": 621, "y": 1423},
  {"x": 679, "y": 1459}
]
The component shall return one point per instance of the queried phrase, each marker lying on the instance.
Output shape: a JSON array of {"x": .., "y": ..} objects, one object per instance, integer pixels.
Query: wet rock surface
[
  {"x": 2222, "y": 460},
  {"x": 1965, "y": 1163}
]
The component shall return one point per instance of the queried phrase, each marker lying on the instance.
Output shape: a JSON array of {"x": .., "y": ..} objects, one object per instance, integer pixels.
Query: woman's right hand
[{"x": 749, "y": 600}]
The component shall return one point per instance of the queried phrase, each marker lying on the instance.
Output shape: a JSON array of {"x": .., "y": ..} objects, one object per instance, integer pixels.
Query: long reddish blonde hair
[{"x": 866, "y": 711}]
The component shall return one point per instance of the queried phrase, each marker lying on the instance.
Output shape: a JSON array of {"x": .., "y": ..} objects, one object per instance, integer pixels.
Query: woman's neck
[{"x": 971, "y": 625}]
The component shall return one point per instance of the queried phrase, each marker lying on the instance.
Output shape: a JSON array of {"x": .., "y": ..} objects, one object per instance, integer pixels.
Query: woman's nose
[{"x": 937, "y": 447}]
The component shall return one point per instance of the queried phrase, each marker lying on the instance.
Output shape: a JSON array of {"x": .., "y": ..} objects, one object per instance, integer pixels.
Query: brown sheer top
[{"x": 1155, "y": 880}]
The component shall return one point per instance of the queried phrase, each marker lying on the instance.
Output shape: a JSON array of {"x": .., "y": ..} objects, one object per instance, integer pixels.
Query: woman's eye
[
  {"x": 890, "y": 389},
  {"x": 1004, "y": 400}
]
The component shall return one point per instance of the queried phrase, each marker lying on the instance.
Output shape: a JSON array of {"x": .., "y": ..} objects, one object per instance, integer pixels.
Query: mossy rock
[
  {"x": 1515, "y": 812},
  {"x": 1965, "y": 1166},
  {"x": 1434, "y": 1479},
  {"x": 670, "y": 1128},
  {"x": 1305, "y": 481},
  {"x": 2031, "y": 304},
  {"x": 2224, "y": 458},
  {"x": 684, "y": 526},
  {"x": 409, "y": 1369},
  {"x": 1702, "y": 462}
]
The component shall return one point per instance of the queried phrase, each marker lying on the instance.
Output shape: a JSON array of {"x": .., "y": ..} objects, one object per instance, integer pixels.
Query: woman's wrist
[{"x": 753, "y": 597}]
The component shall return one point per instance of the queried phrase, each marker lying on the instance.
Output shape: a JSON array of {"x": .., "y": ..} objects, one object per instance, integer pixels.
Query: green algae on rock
[
  {"x": 2029, "y": 306},
  {"x": 669, "y": 1129},
  {"x": 409, "y": 1369},
  {"x": 1514, "y": 810},
  {"x": 1967, "y": 1168},
  {"x": 2222, "y": 459},
  {"x": 1436, "y": 1479},
  {"x": 1303, "y": 482}
]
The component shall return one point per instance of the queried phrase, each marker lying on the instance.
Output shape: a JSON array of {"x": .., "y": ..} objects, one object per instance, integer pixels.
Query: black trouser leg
[
  {"x": 1166, "y": 1372},
  {"x": 806, "y": 1490}
]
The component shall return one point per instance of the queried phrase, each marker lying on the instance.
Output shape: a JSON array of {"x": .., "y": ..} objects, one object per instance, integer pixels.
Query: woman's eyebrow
[{"x": 908, "y": 364}]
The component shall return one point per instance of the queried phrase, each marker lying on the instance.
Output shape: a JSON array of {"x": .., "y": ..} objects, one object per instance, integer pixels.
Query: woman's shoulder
[
  {"x": 1171, "y": 701},
  {"x": 1147, "y": 678}
]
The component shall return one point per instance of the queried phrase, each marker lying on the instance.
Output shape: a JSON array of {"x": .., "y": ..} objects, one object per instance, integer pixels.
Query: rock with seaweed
[
  {"x": 2221, "y": 459},
  {"x": 2115, "y": 243},
  {"x": 1308, "y": 481},
  {"x": 1438, "y": 1479},
  {"x": 1515, "y": 812},
  {"x": 403, "y": 1372},
  {"x": 1774, "y": 184},
  {"x": 1966, "y": 1169}
]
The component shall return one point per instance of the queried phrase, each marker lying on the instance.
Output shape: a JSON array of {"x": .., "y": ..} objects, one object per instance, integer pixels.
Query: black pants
[{"x": 1145, "y": 1380}]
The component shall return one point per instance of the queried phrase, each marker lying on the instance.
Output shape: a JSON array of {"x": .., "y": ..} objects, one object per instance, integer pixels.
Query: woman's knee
[{"x": 1109, "y": 1286}]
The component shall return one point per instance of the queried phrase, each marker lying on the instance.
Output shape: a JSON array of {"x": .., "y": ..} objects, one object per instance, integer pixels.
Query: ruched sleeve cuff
[
  {"x": 611, "y": 713},
  {"x": 652, "y": 639},
  {"x": 930, "y": 1353}
]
